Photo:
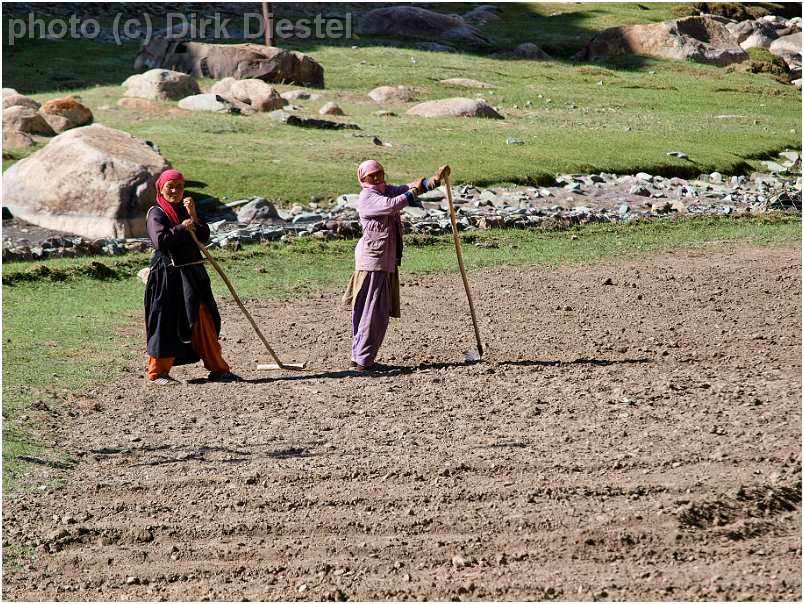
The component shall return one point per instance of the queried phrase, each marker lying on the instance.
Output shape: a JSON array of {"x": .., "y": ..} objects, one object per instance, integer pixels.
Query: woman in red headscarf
[
  {"x": 373, "y": 291},
  {"x": 181, "y": 317}
]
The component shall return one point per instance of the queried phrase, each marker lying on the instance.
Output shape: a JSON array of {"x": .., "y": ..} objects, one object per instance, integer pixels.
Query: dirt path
[{"x": 639, "y": 441}]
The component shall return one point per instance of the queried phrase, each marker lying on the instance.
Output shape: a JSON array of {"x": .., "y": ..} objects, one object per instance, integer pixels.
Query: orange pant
[{"x": 205, "y": 343}]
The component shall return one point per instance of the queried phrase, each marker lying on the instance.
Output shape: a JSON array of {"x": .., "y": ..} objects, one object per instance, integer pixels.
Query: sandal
[{"x": 163, "y": 379}]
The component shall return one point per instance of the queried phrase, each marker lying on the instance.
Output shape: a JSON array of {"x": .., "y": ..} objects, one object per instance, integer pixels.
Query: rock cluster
[
  {"x": 702, "y": 38},
  {"x": 572, "y": 199},
  {"x": 24, "y": 119}
]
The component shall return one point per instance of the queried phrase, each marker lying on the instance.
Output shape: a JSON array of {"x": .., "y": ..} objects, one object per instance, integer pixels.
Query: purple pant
[{"x": 370, "y": 314}]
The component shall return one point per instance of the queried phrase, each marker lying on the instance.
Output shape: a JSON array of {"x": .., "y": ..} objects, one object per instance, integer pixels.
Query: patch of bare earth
[{"x": 638, "y": 440}]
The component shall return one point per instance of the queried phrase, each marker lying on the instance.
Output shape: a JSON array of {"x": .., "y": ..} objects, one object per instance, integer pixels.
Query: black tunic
[{"x": 173, "y": 294}]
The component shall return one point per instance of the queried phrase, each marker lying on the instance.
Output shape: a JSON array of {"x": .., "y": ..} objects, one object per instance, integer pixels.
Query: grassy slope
[
  {"x": 642, "y": 110},
  {"x": 81, "y": 331}
]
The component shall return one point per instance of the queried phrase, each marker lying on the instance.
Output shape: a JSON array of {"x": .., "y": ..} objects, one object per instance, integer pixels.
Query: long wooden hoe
[
  {"x": 270, "y": 366},
  {"x": 473, "y": 354}
]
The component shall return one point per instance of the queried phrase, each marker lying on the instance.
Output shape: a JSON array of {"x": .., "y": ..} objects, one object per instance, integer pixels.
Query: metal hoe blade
[
  {"x": 473, "y": 355},
  {"x": 275, "y": 367}
]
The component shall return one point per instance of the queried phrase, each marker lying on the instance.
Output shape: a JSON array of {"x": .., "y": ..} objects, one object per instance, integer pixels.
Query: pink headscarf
[
  {"x": 369, "y": 167},
  {"x": 161, "y": 201}
]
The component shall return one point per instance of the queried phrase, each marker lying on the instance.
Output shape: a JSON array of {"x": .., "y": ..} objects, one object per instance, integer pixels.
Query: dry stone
[
  {"x": 454, "y": 107},
  {"x": 93, "y": 181},
  {"x": 161, "y": 84}
]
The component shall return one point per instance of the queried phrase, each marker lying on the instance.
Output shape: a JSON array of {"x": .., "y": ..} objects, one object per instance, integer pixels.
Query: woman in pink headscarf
[
  {"x": 373, "y": 291},
  {"x": 181, "y": 317}
]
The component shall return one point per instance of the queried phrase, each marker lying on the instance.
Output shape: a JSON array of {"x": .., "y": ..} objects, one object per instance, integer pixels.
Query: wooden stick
[
  {"x": 457, "y": 241},
  {"x": 228, "y": 283}
]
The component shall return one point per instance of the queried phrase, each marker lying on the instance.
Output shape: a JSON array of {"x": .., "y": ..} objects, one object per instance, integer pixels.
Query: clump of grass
[{"x": 763, "y": 61}]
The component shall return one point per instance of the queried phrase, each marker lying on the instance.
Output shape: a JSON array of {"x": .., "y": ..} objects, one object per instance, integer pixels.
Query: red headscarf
[
  {"x": 370, "y": 166},
  {"x": 163, "y": 203}
]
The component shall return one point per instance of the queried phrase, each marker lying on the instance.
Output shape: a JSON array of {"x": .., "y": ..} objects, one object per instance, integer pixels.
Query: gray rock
[
  {"x": 26, "y": 120},
  {"x": 640, "y": 190},
  {"x": 434, "y": 195},
  {"x": 19, "y": 100},
  {"x": 678, "y": 154},
  {"x": 774, "y": 168},
  {"x": 161, "y": 84},
  {"x": 331, "y": 109},
  {"x": 414, "y": 212},
  {"x": 279, "y": 115},
  {"x": 392, "y": 94},
  {"x": 716, "y": 177},
  {"x": 419, "y": 23},
  {"x": 258, "y": 210},
  {"x": 300, "y": 95},
  {"x": 307, "y": 218},
  {"x": 530, "y": 51},
  {"x": 350, "y": 200},
  {"x": 207, "y": 102}
]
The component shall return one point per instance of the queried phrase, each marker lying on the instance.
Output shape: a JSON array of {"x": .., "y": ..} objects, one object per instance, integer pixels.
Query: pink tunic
[{"x": 379, "y": 216}]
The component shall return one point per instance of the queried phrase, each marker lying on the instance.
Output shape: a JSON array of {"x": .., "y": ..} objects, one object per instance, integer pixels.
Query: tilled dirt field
[{"x": 635, "y": 440}]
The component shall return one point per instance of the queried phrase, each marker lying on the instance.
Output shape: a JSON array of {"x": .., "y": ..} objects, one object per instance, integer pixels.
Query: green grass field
[{"x": 622, "y": 117}]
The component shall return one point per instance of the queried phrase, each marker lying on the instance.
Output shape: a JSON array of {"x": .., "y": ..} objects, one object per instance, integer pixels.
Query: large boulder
[
  {"x": 787, "y": 45},
  {"x": 27, "y": 120},
  {"x": 482, "y": 14},
  {"x": 702, "y": 38},
  {"x": 752, "y": 34},
  {"x": 161, "y": 84},
  {"x": 94, "y": 181},
  {"x": 421, "y": 24},
  {"x": 758, "y": 39},
  {"x": 741, "y": 30},
  {"x": 455, "y": 107},
  {"x": 530, "y": 51},
  {"x": 14, "y": 139},
  {"x": 255, "y": 93},
  {"x": 392, "y": 94},
  {"x": 258, "y": 210},
  {"x": 19, "y": 100},
  {"x": 239, "y": 61},
  {"x": 70, "y": 109}
]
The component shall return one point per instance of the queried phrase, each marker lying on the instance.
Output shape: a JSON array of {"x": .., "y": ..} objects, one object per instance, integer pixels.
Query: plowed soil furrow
[{"x": 633, "y": 433}]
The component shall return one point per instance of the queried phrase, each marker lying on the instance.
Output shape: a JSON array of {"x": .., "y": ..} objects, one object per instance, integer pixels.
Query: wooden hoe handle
[
  {"x": 457, "y": 241},
  {"x": 228, "y": 283}
]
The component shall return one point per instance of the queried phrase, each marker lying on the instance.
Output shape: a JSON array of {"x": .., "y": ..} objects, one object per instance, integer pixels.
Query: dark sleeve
[
  {"x": 202, "y": 230},
  {"x": 166, "y": 237}
]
